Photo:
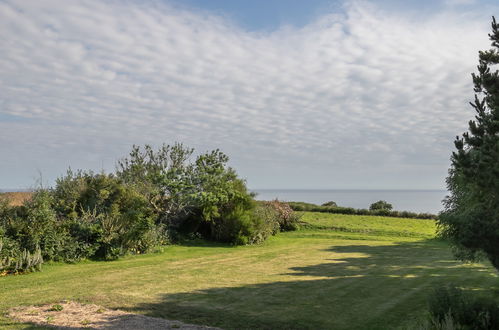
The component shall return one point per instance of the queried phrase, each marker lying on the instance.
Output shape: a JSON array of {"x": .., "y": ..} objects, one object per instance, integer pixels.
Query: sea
[{"x": 421, "y": 201}]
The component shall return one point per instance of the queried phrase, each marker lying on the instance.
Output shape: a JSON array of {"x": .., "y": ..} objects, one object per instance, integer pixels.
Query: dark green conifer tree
[{"x": 471, "y": 216}]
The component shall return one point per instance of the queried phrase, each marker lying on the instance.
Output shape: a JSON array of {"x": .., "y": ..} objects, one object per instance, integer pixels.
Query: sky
[{"x": 299, "y": 94}]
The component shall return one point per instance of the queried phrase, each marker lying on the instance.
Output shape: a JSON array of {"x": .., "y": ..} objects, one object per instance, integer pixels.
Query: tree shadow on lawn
[{"x": 379, "y": 287}]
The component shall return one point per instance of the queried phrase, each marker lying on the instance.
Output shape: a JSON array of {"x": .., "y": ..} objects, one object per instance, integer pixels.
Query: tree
[
  {"x": 194, "y": 196},
  {"x": 471, "y": 216},
  {"x": 381, "y": 205}
]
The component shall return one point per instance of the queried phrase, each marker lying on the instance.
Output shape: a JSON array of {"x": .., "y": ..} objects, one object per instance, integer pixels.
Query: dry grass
[{"x": 16, "y": 198}]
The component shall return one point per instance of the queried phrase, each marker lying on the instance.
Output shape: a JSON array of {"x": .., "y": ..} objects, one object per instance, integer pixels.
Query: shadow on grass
[
  {"x": 357, "y": 287},
  {"x": 368, "y": 287}
]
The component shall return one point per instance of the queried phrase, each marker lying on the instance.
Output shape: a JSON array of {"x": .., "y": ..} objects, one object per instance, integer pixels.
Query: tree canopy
[{"x": 471, "y": 216}]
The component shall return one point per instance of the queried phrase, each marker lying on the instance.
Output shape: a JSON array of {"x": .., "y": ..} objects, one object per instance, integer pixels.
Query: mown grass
[
  {"x": 370, "y": 224},
  {"x": 339, "y": 272}
]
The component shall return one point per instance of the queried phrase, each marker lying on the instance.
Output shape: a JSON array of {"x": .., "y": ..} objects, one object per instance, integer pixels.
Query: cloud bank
[{"x": 357, "y": 99}]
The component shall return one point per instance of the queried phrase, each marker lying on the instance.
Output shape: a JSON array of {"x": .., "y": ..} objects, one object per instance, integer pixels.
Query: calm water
[{"x": 402, "y": 200}]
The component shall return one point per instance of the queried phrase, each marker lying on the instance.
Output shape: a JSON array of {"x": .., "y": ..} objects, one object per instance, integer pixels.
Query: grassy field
[{"x": 339, "y": 272}]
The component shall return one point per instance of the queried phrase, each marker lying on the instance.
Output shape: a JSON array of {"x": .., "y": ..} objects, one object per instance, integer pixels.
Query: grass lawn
[{"x": 339, "y": 272}]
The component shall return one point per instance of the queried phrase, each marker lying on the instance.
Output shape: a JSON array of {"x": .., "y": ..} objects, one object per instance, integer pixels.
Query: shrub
[
  {"x": 285, "y": 216},
  {"x": 450, "y": 305},
  {"x": 13, "y": 260},
  {"x": 330, "y": 203},
  {"x": 380, "y": 205},
  {"x": 37, "y": 227},
  {"x": 241, "y": 227},
  {"x": 106, "y": 217},
  {"x": 154, "y": 194},
  {"x": 233, "y": 215},
  {"x": 6, "y": 212}
]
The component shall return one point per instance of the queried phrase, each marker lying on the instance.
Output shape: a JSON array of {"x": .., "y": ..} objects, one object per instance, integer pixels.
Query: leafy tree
[
  {"x": 163, "y": 176},
  {"x": 381, "y": 205},
  {"x": 194, "y": 196},
  {"x": 471, "y": 216},
  {"x": 330, "y": 204}
]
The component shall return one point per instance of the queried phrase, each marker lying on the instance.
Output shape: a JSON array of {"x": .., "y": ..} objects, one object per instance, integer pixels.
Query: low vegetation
[
  {"x": 453, "y": 308},
  {"x": 154, "y": 198},
  {"x": 380, "y": 208}
]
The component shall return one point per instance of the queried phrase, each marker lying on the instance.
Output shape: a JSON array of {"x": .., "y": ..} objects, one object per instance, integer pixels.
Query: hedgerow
[{"x": 309, "y": 207}]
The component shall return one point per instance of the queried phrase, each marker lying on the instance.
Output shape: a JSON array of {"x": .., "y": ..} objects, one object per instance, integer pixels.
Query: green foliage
[
  {"x": 450, "y": 306},
  {"x": 330, "y": 204},
  {"x": 301, "y": 206},
  {"x": 202, "y": 196},
  {"x": 240, "y": 227},
  {"x": 37, "y": 227},
  {"x": 164, "y": 177},
  {"x": 381, "y": 205},
  {"x": 285, "y": 216},
  {"x": 106, "y": 217},
  {"x": 56, "y": 308},
  {"x": 155, "y": 193},
  {"x": 13, "y": 260},
  {"x": 470, "y": 220}
]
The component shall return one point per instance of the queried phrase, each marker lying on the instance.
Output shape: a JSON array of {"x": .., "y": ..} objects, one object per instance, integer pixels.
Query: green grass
[
  {"x": 370, "y": 224},
  {"x": 341, "y": 272}
]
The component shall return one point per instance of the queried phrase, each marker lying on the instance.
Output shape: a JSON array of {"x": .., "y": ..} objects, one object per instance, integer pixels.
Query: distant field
[
  {"x": 339, "y": 272},
  {"x": 16, "y": 198},
  {"x": 373, "y": 225}
]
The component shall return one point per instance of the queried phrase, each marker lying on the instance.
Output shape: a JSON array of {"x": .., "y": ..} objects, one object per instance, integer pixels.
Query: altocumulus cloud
[{"x": 361, "y": 98}]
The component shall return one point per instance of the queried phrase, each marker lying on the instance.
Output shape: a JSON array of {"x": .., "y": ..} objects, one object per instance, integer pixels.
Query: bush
[
  {"x": 330, "y": 203},
  {"x": 36, "y": 226},
  {"x": 308, "y": 207},
  {"x": 233, "y": 215},
  {"x": 285, "y": 216},
  {"x": 450, "y": 305},
  {"x": 381, "y": 205},
  {"x": 105, "y": 217},
  {"x": 153, "y": 195},
  {"x": 241, "y": 227},
  {"x": 13, "y": 260}
]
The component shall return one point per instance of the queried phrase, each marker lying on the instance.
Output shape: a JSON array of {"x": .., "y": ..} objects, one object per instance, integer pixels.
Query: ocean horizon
[
  {"x": 421, "y": 201},
  {"x": 429, "y": 200}
]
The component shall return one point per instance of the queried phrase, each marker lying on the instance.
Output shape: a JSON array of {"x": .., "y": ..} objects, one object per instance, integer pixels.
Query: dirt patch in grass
[{"x": 73, "y": 315}]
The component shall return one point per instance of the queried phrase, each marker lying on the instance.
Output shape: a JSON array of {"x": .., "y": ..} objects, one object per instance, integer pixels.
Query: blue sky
[
  {"x": 299, "y": 94},
  {"x": 269, "y": 15},
  {"x": 265, "y": 15}
]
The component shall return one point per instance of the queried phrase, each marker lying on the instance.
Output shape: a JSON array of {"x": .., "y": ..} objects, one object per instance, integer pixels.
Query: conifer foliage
[{"x": 471, "y": 216}]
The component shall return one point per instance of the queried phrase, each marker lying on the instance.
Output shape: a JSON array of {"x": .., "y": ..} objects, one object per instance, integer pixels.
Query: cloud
[{"x": 361, "y": 91}]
